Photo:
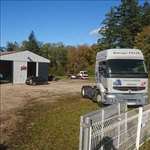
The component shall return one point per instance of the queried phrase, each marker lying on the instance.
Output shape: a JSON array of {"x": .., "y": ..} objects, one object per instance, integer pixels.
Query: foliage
[
  {"x": 2, "y": 49},
  {"x": 57, "y": 54},
  {"x": 81, "y": 58},
  {"x": 110, "y": 30},
  {"x": 146, "y": 14},
  {"x": 31, "y": 44},
  {"x": 122, "y": 23},
  {"x": 12, "y": 46},
  {"x": 142, "y": 41},
  {"x": 53, "y": 126}
]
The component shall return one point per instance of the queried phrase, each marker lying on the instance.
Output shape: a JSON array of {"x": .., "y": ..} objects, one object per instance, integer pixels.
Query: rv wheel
[
  {"x": 83, "y": 91},
  {"x": 97, "y": 96},
  {"x": 86, "y": 91},
  {"x": 30, "y": 82}
]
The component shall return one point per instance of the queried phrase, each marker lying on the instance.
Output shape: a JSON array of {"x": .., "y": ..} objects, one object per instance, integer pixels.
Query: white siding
[{"x": 19, "y": 76}]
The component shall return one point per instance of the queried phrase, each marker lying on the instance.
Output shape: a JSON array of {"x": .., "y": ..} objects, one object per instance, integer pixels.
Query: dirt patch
[{"x": 14, "y": 98}]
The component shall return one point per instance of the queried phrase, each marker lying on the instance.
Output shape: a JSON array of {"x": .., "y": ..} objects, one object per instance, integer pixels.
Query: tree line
[
  {"x": 124, "y": 26},
  {"x": 63, "y": 59}
]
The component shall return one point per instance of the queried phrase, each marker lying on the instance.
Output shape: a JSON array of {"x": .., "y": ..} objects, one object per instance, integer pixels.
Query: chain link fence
[{"x": 115, "y": 128}]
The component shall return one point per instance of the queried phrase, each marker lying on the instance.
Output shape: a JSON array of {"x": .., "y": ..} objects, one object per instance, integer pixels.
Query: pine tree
[
  {"x": 146, "y": 14},
  {"x": 121, "y": 25},
  {"x": 32, "y": 44},
  {"x": 109, "y": 31},
  {"x": 130, "y": 22},
  {"x": 12, "y": 46}
]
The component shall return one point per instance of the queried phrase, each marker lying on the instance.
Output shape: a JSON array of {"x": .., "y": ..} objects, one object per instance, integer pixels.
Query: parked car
[
  {"x": 53, "y": 78},
  {"x": 73, "y": 77},
  {"x": 4, "y": 78},
  {"x": 1, "y": 76},
  {"x": 82, "y": 75},
  {"x": 36, "y": 80}
]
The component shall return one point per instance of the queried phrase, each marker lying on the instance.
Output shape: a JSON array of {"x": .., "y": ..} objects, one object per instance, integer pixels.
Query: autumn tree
[
  {"x": 142, "y": 41},
  {"x": 72, "y": 66}
]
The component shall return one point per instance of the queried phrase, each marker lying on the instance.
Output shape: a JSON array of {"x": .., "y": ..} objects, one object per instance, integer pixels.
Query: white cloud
[{"x": 94, "y": 32}]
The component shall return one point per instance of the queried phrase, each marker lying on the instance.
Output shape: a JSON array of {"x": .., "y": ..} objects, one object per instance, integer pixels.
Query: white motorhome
[{"x": 121, "y": 76}]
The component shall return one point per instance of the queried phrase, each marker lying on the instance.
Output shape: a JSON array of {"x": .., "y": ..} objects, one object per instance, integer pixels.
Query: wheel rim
[
  {"x": 98, "y": 98},
  {"x": 30, "y": 81},
  {"x": 83, "y": 92}
]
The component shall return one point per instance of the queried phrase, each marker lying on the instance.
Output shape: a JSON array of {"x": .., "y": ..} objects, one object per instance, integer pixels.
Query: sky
[{"x": 70, "y": 22}]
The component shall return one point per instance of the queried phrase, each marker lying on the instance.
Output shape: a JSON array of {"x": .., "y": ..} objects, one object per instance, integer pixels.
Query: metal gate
[{"x": 115, "y": 128}]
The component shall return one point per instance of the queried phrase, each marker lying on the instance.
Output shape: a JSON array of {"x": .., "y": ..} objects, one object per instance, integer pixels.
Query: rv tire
[
  {"x": 86, "y": 91},
  {"x": 96, "y": 96}
]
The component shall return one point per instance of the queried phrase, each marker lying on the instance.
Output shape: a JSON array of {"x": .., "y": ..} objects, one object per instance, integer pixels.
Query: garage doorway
[
  {"x": 31, "y": 69},
  {"x": 6, "y": 71}
]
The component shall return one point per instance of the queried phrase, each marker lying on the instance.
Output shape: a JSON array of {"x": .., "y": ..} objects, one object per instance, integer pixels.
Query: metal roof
[
  {"x": 27, "y": 56},
  {"x": 6, "y": 53}
]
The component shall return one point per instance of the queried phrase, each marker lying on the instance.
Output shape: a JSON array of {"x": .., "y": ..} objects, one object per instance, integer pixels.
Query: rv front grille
[{"x": 126, "y": 88}]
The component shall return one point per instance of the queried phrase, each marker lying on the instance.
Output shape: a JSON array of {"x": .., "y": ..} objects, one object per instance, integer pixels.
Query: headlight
[
  {"x": 146, "y": 96},
  {"x": 111, "y": 96}
]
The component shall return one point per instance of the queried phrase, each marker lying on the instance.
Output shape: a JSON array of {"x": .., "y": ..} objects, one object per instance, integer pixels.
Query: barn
[{"x": 15, "y": 67}]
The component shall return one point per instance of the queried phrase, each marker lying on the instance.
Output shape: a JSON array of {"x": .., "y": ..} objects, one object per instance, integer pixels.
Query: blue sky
[{"x": 70, "y": 22}]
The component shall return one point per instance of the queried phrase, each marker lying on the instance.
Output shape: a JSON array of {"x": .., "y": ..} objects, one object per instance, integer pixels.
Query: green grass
[
  {"x": 53, "y": 126},
  {"x": 146, "y": 146}
]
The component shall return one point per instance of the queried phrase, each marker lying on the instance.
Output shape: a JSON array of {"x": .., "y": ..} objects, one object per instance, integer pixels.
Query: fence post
[
  {"x": 139, "y": 127},
  {"x": 118, "y": 126},
  {"x": 126, "y": 123},
  {"x": 81, "y": 134},
  {"x": 126, "y": 120},
  {"x": 102, "y": 128},
  {"x": 86, "y": 134},
  {"x": 90, "y": 134}
]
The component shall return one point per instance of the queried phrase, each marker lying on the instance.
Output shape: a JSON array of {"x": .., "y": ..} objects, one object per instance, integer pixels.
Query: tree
[
  {"x": 146, "y": 14},
  {"x": 81, "y": 58},
  {"x": 109, "y": 30},
  {"x": 130, "y": 22},
  {"x": 2, "y": 49},
  {"x": 72, "y": 66},
  {"x": 142, "y": 41},
  {"x": 31, "y": 44},
  {"x": 57, "y": 54},
  {"x": 121, "y": 25},
  {"x": 12, "y": 46}
]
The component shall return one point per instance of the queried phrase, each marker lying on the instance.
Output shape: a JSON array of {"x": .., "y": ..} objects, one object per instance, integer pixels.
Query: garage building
[{"x": 17, "y": 66}]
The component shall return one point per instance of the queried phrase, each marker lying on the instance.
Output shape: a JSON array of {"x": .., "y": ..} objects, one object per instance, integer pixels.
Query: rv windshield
[{"x": 128, "y": 66}]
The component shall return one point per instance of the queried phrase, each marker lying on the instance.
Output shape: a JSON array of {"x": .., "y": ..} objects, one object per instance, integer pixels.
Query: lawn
[
  {"x": 146, "y": 146},
  {"x": 52, "y": 126}
]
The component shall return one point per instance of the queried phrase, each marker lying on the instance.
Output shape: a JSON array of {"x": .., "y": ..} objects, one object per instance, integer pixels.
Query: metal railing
[{"x": 115, "y": 128}]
